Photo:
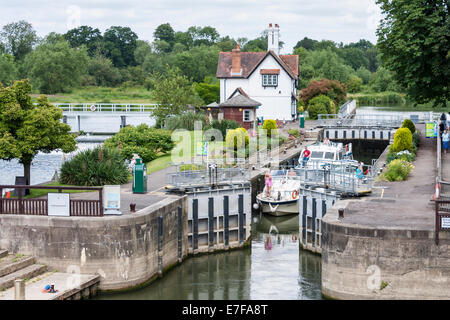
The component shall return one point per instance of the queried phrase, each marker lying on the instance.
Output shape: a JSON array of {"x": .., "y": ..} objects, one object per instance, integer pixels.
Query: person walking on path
[{"x": 445, "y": 140}]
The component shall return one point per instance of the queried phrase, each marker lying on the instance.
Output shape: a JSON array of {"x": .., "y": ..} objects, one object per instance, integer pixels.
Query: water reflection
[{"x": 283, "y": 272}]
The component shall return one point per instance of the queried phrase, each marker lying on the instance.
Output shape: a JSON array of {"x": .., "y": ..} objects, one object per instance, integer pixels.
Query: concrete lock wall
[
  {"x": 360, "y": 262},
  {"x": 124, "y": 250}
]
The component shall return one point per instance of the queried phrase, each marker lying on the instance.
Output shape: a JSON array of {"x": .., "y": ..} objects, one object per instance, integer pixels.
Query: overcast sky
[{"x": 340, "y": 20}]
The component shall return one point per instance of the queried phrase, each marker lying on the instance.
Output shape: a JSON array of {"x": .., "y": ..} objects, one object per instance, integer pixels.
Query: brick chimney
[{"x": 236, "y": 61}]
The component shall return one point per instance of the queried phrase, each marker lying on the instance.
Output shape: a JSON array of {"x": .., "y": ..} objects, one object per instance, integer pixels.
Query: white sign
[
  {"x": 58, "y": 204},
  {"x": 111, "y": 199},
  {"x": 445, "y": 223}
]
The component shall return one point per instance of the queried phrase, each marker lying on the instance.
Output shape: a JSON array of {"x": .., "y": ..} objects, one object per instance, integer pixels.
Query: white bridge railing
[{"x": 105, "y": 107}]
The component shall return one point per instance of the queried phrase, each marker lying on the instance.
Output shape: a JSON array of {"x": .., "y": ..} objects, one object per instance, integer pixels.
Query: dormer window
[{"x": 270, "y": 77}]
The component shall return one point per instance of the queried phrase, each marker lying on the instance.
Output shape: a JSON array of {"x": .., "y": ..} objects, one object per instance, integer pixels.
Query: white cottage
[{"x": 267, "y": 77}]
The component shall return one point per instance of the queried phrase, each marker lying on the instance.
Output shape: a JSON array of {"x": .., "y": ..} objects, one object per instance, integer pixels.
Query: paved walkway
[{"x": 404, "y": 204}]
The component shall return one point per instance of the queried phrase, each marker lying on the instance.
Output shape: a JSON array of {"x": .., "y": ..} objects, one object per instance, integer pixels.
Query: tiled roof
[
  {"x": 251, "y": 60},
  {"x": 240, "y": 100}
]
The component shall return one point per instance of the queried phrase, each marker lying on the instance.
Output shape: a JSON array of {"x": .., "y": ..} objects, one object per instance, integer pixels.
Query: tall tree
[
  {"x": 119, "y": 45},
  {"x": 26, "y": 128},
  {"x": 174, "y": 93},
  {"x": 85, "y": 35},
  {"x": 164, "y": 32},
  {"x": 19, "y": 38},
  {"x": 306, "y": 43},
  {"x": 414, "y": 40},
  {"x": 8, "y": 69},
  {"x": 56, "y": 67}
]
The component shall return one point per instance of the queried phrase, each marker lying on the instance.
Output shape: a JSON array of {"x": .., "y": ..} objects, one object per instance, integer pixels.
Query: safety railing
[
  {"x": 105, "y": 107},
  {"x": 39, "y": 206},
  {"x": 337, "y": 175},
  {"x": 208, "y": 174}
]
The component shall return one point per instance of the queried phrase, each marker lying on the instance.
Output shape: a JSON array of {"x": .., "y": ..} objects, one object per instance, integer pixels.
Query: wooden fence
[{"x": 39, "y": 206}]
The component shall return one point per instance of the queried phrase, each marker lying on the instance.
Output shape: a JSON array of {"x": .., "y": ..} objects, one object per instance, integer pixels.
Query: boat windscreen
[
  {"x": 316, "y": 155},
  {"x": 329, "y": 155}
]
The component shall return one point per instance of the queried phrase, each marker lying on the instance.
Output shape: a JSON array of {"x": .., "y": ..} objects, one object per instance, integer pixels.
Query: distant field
[{"x": 102, "y": 95}]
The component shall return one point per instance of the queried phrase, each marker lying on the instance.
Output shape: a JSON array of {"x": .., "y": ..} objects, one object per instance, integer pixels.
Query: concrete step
[
  {"x": 25, "y": 274},
  {"x": 3, "y": 253},
  {"x": 12, "y": 263}
]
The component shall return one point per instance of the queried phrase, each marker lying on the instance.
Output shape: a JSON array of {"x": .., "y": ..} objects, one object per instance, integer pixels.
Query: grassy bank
[
  {"x": 102, "y": 95},
  {"x": 36, "y": 193},
  {"x": 394, "y": 100}
]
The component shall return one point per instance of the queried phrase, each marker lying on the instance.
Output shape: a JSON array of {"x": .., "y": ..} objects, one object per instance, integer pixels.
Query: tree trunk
[{"x": 27, "y": 175}]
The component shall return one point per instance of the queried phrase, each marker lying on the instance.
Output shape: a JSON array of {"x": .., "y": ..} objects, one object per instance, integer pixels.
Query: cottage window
[
  {"x": 270, "y": 80},
  {"x": 248, "y": 115}
]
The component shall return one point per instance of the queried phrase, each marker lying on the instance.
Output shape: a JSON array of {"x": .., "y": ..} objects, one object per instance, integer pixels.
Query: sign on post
[
  {"x": 445, "y": 222},
  {"x": 202, "y": 148},
  {"x": 58, "y": 204},
  {"x": 111, "y": 200},
  {"x": 430, "y": 130}
]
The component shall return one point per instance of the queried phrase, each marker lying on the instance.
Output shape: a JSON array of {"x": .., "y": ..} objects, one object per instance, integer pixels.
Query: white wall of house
[{"x": 276, "y": 101}]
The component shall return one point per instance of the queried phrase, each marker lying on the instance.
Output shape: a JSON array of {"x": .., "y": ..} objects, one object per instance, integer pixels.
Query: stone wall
[
  {"x": 359, "y": 262},
  {"x": 122, "y": 249}
]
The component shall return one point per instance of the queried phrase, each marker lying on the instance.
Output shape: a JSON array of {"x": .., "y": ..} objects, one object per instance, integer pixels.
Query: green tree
[
  {"x": 8, "y": 69},
  {"x": 306, "y": 43},
  {"x": 119, "y": 45},
  {"x": 56, "y": 67},
  {"x": 383, "y": 80},
  {"x": 354, "y": 57},
  {"x": 174, "y": 93},
  {"x": 413, "y": 38},
  {"x": 364, "y": 74},
  {"x": 26, "y": 128},
  {"x": 103, "y": 71},
  {"x": 85, "y": 35},
  {"x": 354, "y": 84},
  {"x": 19, "y": 38},
  {"x": 143, "y": 48},
  {"x": 164, "y": 32},
  {"x": 209, "y": 92}
]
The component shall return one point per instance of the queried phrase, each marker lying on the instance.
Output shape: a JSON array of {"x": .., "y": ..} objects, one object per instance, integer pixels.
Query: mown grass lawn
[
  {"x": 92, "y": 94},
  {"x": 36, "y": 193}
]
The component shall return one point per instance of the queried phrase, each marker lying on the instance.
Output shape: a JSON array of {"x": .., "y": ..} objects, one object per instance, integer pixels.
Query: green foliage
[
  {"x": 416, "y": 139},
  {"x": 315, "y": 109},
  {"x": 95, "y": 167},
  {"x": 209, "y": 92},
  {"x": 236, "y": 139},
  {"x": 354, "y": 84},
  {"x": 271, "y": 127},
  {"x": 27, "y": 128},
  {"x": 294, "y": 132},
  {"x": 397, "y": 170},
  {"x": 8, "y": 69},
  {"x": 403, "y": 155},
  {"x": 142, "y": 140},
  {"x": 119, "y": 44},
  {"x": 19, "y": 38},
  {"x": 164, "y": 32},
  {"x": 323, "y": 101},
  {"x": 402, "y": 140},
  {"x": 185, "y": 121},
  {"x": 87, "y": 36},
  {"x": 56, "y": 67},
  {"x": 383, "y": 80},
  {"x": 102, "y": 72},
  {"x": 414, "y": 43},
  {"x": 364, "y": 74},
  {"x": 407, "y": 123},
  {"x": 173, "y": 92},
  {"x": 223, "y": 126},
  {"x": 382, "y": 98}
]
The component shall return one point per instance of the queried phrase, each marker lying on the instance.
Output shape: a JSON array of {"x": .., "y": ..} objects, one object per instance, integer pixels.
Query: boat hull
[{"x": 279, "y": 208}]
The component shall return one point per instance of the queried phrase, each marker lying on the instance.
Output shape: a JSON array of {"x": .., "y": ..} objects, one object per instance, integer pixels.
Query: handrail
[{"x": 106, "y": 107}]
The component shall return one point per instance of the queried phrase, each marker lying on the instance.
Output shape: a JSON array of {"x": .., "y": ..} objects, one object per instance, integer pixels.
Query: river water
[{"x": 279, "y": 271}]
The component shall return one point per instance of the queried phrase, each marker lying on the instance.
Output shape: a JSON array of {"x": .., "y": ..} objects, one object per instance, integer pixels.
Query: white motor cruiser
[{"x": 326, "y": 152}]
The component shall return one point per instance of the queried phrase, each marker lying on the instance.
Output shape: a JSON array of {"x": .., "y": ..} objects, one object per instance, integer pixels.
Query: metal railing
[
  {"x": 372, "y": 120},
  {"x": 336, "y": 175},
  {"x": 209, "y": 174},
  {"x": 347, "y": 109},
  {"x": 39, "y": 206},
  {"x": 105, "y": 107}
]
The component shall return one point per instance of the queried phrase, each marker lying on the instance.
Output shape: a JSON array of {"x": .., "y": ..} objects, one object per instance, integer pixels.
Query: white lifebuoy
[
  {"x": 93, "y": 108},
  {"x": 294, "y": 194}
]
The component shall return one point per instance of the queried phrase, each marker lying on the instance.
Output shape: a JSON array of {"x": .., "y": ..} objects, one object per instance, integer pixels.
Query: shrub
[
  {"x": 185, "y": 121},
  {"x": 403, "y": 155},
  {"x": 316, "y": 109},
  {"x": 325, "y": 101},
  {"x": 223, "y": 126},
  {"x": 294, "y": 132},
  {"x": 95, "y": 167},
  {"x": 416, "y": 139},
  {"x": 398, "y": 170},
  {"x": 236, "y": 139},
  {"x": 331, "y": 88},
  {"x": 270, "y": 126},
  {"x": 402, "y": 140},
  {"x": 354, "y": 84},
  {"x": 247, "y": 139},
  {"x": 410, "y": 125},
  {"x": 146, "y": 142}
]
